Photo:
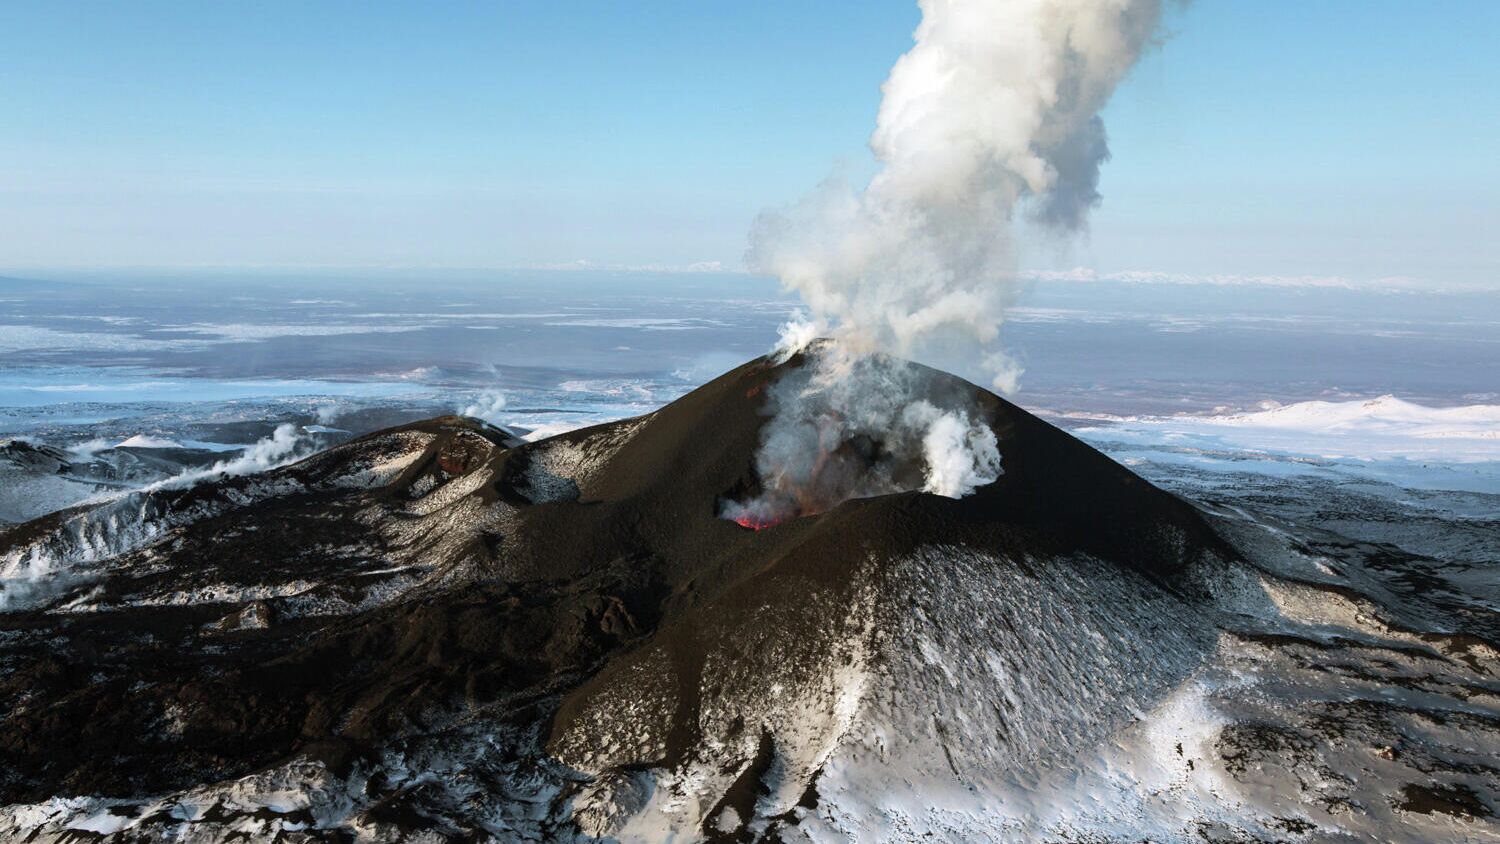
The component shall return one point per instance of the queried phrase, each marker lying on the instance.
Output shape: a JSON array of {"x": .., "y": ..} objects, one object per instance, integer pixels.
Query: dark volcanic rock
[{"x": 441, "y": 628}]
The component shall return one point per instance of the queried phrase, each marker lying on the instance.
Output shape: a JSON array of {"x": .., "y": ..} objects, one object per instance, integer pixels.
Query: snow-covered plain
[{"x": 1383, "y": 439}]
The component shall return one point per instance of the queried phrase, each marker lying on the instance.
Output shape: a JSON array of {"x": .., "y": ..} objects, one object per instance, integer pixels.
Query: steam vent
[{"x": 440, "y": 631}]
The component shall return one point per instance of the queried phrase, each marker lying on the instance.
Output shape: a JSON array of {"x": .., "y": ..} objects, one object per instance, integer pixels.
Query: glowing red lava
[{"x": 754, "y": 522}]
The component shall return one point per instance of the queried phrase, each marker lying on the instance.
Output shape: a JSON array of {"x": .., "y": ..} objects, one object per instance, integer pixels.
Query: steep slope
[{"x": 442, "y": 629}]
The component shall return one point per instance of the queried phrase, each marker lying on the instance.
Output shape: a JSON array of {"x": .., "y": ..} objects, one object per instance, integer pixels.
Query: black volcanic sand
[{"x": 522, "y": 619}]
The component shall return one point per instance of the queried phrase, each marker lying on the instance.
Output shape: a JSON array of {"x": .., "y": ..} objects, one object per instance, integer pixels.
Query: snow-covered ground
[{"x": 1383, "y": 439}]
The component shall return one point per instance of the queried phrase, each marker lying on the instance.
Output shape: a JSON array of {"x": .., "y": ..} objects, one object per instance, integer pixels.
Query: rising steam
[
  {"x": 992, "y": 114},
  {"x": 488, "y": 406},
  {"x": 846, "y": 426},
  {"x": 285, "y": 445}
]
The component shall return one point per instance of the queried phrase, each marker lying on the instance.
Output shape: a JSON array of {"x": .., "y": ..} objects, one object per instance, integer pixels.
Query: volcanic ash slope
[{"x": 439, "y": 631}]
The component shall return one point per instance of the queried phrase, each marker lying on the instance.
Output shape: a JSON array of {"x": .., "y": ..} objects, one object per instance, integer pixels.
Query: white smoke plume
[
  {"x": 86, "y": 450},
  {"x": 487, "y": 406},
  {"x": 34, "y": 572},
  {"x": 853, "y": 426},
  {"x": 993, "y": 114},
  {"x": 284, "y": 446},
  {"x": 993, "y": 111}
]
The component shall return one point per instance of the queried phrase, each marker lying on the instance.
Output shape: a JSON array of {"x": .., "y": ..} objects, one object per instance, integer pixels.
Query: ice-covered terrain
[{"x": 1380, "y": 439}]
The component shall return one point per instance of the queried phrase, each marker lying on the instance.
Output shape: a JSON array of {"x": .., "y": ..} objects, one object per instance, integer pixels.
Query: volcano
[{"x": 440, "y": 631}]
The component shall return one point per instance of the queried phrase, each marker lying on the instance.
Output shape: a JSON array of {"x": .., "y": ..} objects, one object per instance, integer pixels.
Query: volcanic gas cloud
[
  {"x": 847, "y": 426},
  {"x": 993, "y": 115}
]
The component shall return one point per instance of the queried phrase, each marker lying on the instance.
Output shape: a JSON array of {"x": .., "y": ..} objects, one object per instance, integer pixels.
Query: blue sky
[{"x": 1351, "y": 139}]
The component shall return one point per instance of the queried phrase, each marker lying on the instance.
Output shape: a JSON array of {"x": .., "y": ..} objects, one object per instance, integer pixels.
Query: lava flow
[{"x": 754, "y": 522}]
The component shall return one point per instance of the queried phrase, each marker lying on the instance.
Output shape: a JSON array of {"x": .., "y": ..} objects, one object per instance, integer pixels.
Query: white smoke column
[
  {"x": 994, "y": 111},
  {"x": 995, "y": 106}
]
